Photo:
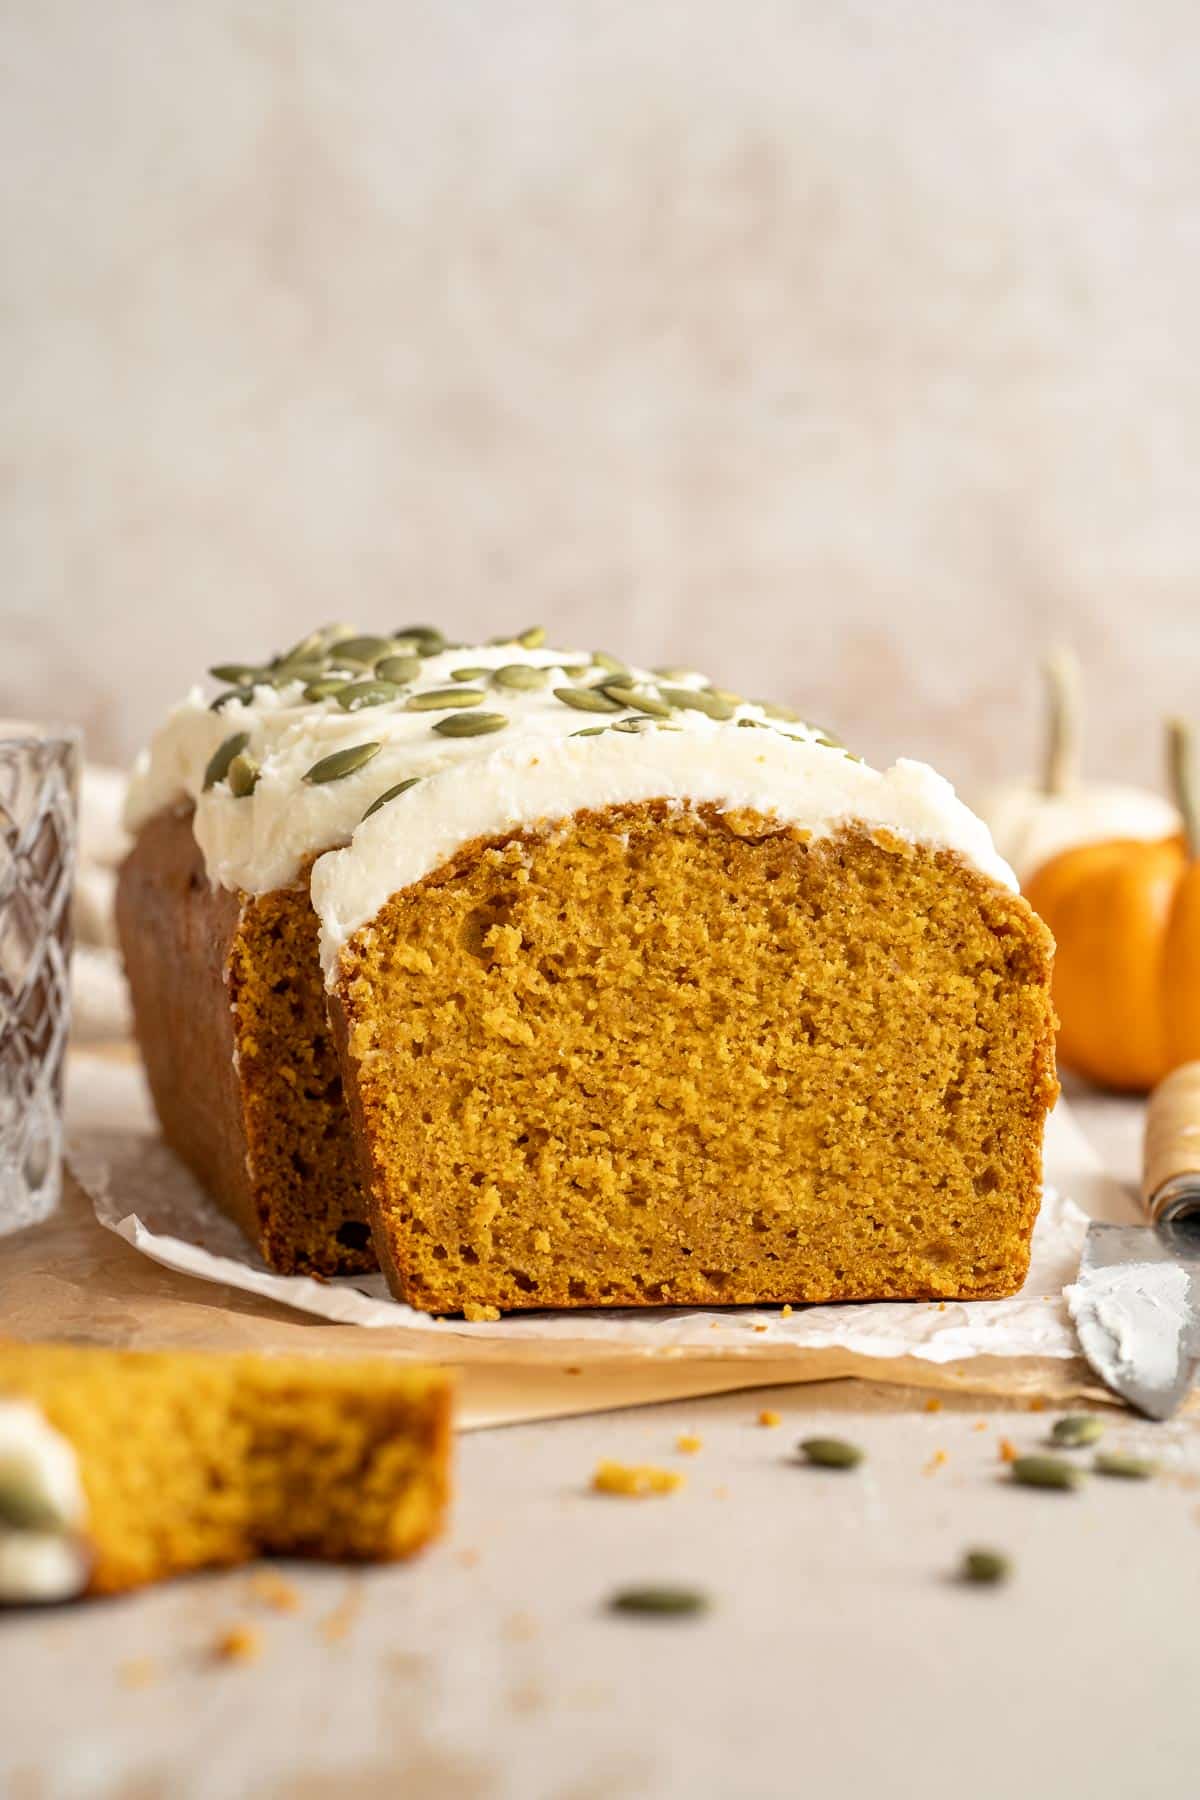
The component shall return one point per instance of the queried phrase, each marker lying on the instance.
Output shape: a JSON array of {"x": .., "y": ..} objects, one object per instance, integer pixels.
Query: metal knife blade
[{"x": 1136, "y": 1309}]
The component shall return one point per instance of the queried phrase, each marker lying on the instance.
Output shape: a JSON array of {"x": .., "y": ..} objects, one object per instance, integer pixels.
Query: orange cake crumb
[
  {"x": 270, "y": 1589},
  {"x": 1008, "y": 1450},
  {"x": 767, "y": 1417},
  {"x": 689, "y": 1443},
  {"x": 933, "y": 1404},
  {"x": 786, "y": 1312},
  {"x": 937, "y": 1461},
  {"x": 635, "y": 1481},
  {"x": 980, "y": 1425},
  {"x": 239, "y": 1644},
  {"x": 1037, "y": 1404}
]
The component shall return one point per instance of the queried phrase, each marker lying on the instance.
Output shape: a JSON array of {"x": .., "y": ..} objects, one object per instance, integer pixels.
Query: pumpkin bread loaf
[
  {"x": 120, "y": 1468},
  {"x": 637, "y": 992}
]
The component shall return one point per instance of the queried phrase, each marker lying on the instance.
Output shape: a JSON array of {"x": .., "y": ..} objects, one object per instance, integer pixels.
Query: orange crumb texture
[
  {"x": 767, "y": 1417},
  {"x": 933, "y": 1404},
  {"x": 1008, "y": 1450},
  {"x": 1037, "y": 1404},
  {"x": 937, "y": 1461},
  {"x": 689, "y": 1443},
  {"x": 786, "y": 1312},
  {"x": 240, "y": 1644},
  {"x": 270, "y": 1589},
  {"x": 635, "y": 1481}
]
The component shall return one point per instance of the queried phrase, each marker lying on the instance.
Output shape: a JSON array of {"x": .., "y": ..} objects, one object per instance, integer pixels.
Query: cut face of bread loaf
[{"x": 637, "y": 992}]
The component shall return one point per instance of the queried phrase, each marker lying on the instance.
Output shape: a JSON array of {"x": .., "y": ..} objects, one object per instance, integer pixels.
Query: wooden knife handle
[{"x": 1171, "y": 1159}]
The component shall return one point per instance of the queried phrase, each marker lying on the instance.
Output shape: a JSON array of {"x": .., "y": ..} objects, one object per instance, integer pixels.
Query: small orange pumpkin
[{"x": 1126, "y": 918}]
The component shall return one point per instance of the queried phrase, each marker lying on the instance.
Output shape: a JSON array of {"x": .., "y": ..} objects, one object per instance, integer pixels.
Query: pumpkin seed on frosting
[
  {"x": 630, "y": 725},
  {"x": 696, "y": 700},
  {"x": 326, "y": 687},
  {"x": 238, "y": 674},
  {"x": 470, "y": 724},
  {"x": 774, "y": 711},
  {"x": 591, "y": 731},
  {"x": 587, "y": 699},
  {"x": 437, "y": 699},
  {"x": 244, "y": 694},
  {"x": 364, "y": 650},
  {"x": 357, "y": 694},
  {"x": 612, "y": 664},
  {"x": 243, "y": 776},
  {"x": 427, "y": 640},
  {"x": 469, "y": 674},
  {"x": 532, "y": 638},
  {"x": 401, "y": 787},
  {"x": 401, "y": 668},
  {"x": 520, "y": 676},
  {"x": 630, "y": 696},
  {"x": 341, "y": 763},
  {"x": 222, "y": 756}
]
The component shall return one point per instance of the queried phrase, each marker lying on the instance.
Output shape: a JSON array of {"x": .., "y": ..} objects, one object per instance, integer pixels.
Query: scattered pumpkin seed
[
  {"x": 244, "y": 694},
  {"x": 986, "y": 1567},
  {"x": 401, "y": 787},
  {"x": 363, "y": 650},
  {"x": 1046, "y": 1472},
  {"x": 1076, "y": 1429},
  {"x": 532, "y": 638},
  {"x": 426, "y": 640},
  {"x": 760, "y": 723},
  {"x": 470, "y": 724},
  {"x": 222, "y": 756},
  {"x": 628, "y": 696},
  {"x": 469, "y": 674},
  {"x": 660, "y": 1602},
  {"x": 400, "y": 669},
  {"x": 587, "y": 699},
  {"x": 326, "y": 688},
  {"x": 674, "y": 674},
  {"x": 611, "y": 664},
  {"x": 238, "y": 674},
  {"x": 774, "y": 711},
  {"x": 633, "y": 725},
  {"x": 726, "y": 694},
  {"x": 830, "y": 1453},
  {"x": 576, "y": 671},
  {"x": 1129, "y": 1468},
  {"x": 519, "y": 675},
  {"x": 591, "y": 731},
  {"x": 342, "y": 763},
  {"x": 357, "y": 694},
  {"x": 698, "y": 701},
  {"x": 242, "y": 776},
  {"x": 438, "y": 699}
]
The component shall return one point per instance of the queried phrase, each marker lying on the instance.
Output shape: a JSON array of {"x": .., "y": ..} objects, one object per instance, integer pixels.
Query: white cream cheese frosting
[
  {"x": 548, "y": 758},
  {"x": 42, "y": 1510}
]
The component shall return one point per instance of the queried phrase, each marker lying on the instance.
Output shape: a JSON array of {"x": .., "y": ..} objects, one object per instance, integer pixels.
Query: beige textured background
[{"x": 849, "y": 347}]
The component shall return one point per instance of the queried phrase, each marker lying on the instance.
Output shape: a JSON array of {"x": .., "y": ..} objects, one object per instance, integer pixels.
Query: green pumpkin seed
[
  {"x": 674, "y": 674},
  {"x": 243, "y": 776},
  {"x": 660, "y": 1602},
  {"x": 591, "y": 731},
  {"x": 365, "y": 651},
  {"x": 402, "y": 669},
  {"x": 1128, "y": 1468},
  {"x": 357, "y": 694},
  {"x": 986, "y": 1567},
  {"x": 238, "y": 674},
  {"x": 245, "y": 695},
  {"x": 342, "y": 763},
  {"x": 401, "y": 787},
  {"x": 778, "y": 712},
  {"x": 830, "y": 1453},
  {"x": 222, "y": 756},
  {"x": 610, "y": 664},
  {"x": 469, "y": 674},
  {"x": 532, "y": 638},
  {"x": 726, "y": 694},
  {"x": 593, "y": 700},
  {"x": 438, "y": 699},
  {"x": 760, "y": 723},
  {"x": 1046, "y": 1472},
  {"x": 576, "y": 671},
  {"x": 519, "y": 676},
  {"x": 634, "y": 725},
  {"x": 326, "y": 688},
  {"x": 1076, "y": 1429},
  {"x": 426, "y": 640},
  {"x": 698, "y": 701},
  {"x": 627, "y": 696},
  {"x": 470, "y": 724}
]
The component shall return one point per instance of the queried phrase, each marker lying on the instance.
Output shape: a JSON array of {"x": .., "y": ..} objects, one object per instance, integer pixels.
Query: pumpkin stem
[
  {"x": 1060, "y": 771},
  {"x": 1181, "y": 765}
]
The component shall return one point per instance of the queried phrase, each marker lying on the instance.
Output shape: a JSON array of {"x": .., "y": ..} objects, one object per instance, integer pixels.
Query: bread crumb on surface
[
  {"x": 767, "y": 1417},
  {"x": 336, "y": 1625},
  {"x": 1037, "y": 1404},
  {"x": 980, "y": 1425},
  {"x": 271, "y": 1589},
  {"x": 786, "y": 1311},
  {"x": 138, "y": 1672},
  {"x": 760, "y": 1328},
  {"x": 937, "y": 1461},
  {"x": 933, "y": 1404},
  {"x": 475, "y": 1314},
  {"x": 689, "y": 1443},
  {"x": 239, "y": 1644},
  {"x": 635, "y": 1480},
  {"x": 1008, "y": 1450}
]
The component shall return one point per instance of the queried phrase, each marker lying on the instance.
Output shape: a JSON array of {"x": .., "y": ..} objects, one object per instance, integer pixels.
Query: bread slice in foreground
[
  {"x": 663, "y": 1055},
  {"x": 144, "y": 1466}
]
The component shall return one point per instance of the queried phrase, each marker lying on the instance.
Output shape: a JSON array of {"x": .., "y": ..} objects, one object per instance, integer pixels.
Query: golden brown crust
[
  {"x": 229, "y": 1009},
  {"x": 654, "y": 1056}
]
